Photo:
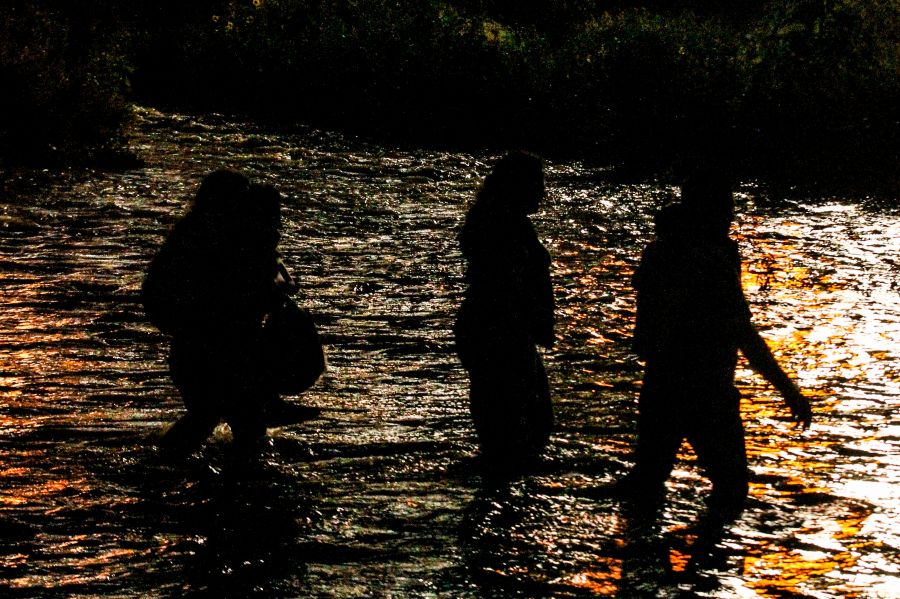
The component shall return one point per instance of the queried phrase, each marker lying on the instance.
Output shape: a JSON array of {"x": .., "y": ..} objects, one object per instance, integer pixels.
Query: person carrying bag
[
  {"x": 295, "y": 354},
  {"x": 213, "y": 286}
]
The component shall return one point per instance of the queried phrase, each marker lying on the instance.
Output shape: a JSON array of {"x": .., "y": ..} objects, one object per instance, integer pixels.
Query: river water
[{"x": 382, "y": 496}]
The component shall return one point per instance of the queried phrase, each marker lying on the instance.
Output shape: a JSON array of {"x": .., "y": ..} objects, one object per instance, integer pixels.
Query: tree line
[{"x": 791, "y": 90}]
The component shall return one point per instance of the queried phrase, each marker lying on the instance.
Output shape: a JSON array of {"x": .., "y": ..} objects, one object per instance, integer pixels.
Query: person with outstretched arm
[{"x": 692, "y": 319}]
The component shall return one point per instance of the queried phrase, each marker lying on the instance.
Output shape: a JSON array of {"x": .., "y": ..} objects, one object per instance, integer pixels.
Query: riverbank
[{"x": 800, "y": 93}]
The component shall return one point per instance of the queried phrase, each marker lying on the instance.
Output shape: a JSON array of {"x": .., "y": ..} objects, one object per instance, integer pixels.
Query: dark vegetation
[
  {"x": 63, "y": 81},
  {"x": 798, "y": 91}
]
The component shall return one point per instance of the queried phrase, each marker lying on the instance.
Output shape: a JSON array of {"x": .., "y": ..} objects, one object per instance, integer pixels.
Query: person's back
[{"x": 216, "y": 269}]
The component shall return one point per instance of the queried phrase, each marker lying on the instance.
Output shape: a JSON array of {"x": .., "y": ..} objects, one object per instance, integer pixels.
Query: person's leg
[
  {"x": 495, "y": 424},
  {"x": 249, "y": 393},
  {"x": 659, "y": 436},
  {"x": 189, "y": 432},
  {"x": 540, "y": 410},
  {"x": 197, "y": 424},
  {"x": 718, "y": 442},
  {"x": 509, "y": 398},
  {"x": 248, "y": 426},
  {"x": 499, "y": 402},
  {"x": 188, "y": 372}
]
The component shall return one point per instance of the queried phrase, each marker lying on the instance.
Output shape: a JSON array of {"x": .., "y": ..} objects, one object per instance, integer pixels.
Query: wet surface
[{"x": 383, "y": 496}]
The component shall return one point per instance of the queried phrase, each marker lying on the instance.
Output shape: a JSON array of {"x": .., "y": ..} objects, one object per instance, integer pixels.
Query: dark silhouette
[
  {"x": 692, "y": 318},
  {"x": 211, "y": 286},
  {"x": 507, "y": 311}
]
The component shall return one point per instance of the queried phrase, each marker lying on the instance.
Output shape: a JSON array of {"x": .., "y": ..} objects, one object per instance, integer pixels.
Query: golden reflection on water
[
  {"x": 40, "y": 492},
  {"x": 94, "y": 568},
  {"x": 775, "y": 570},
  {"x": 781, "y": 572},
  {"x": 835, "y": 349},
  {"x": 603, "y": 580},
  {"x": 836, "y": 338},
  {"x": 44, "y": 367},
  {"x": 819, "y": 520}
]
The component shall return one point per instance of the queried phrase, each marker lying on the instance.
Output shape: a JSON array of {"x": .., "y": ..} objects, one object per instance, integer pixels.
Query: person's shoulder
[
  {"x": 653, "y": 257},
  {"x": 660, "y": 249}
]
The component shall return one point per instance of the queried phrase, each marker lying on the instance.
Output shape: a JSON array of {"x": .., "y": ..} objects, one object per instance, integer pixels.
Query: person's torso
[{"x": 691, "y": 309}]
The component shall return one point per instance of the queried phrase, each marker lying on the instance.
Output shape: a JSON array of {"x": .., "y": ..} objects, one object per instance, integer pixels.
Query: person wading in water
[
  {"x": 210, "y": 286},
  {"x": 507, "y": 311},
  {"x": 692, "y": 318}
]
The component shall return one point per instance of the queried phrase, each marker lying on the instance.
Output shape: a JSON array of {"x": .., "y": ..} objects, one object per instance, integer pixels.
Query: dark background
[{"x": 803, "y": 92}]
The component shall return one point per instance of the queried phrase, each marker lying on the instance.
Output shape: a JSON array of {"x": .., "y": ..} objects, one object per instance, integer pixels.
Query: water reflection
[
  {"x": 385, "y": 500},
  {"x": 838, "y": 338}
]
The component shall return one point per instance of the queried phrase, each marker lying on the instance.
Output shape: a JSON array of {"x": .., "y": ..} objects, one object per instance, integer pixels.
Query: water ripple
[{"x": 382, "y": 496}]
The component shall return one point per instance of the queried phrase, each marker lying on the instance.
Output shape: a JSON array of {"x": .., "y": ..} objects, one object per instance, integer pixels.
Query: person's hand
[{"x": 801, "y": 411}]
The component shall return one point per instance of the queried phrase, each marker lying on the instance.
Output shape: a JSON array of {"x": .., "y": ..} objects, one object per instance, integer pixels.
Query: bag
[{"x": 294, "y": 349}]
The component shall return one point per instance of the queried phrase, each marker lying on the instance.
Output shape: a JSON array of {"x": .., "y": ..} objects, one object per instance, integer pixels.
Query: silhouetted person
[
  {"x": 210, "y": 286},
  {"x": 507, "y": 311},
  {"x": 692, "y": 318}
]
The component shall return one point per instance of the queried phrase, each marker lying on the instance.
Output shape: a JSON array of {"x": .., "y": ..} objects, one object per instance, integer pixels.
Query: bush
[
  {"x": 64, "y": 76},
  {"x": 406, "y": 69},
  {"x": 652, "y": 88},
  {"x": 799, "y": 89},
  {"x": 822, "y": 89}
]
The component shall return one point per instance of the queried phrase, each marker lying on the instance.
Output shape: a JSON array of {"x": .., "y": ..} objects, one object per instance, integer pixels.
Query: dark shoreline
[{"x": 799, "y": 93}]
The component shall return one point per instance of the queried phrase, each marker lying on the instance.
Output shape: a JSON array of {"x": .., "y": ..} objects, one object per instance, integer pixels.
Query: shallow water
[{"x": 382, "y": 497}]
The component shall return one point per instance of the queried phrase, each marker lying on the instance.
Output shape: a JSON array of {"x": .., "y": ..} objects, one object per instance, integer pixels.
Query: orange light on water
[
  {"x": 40, "y": 492},
  {"x": 781, "y": 571},
  {"x": 602, "y": 581}
]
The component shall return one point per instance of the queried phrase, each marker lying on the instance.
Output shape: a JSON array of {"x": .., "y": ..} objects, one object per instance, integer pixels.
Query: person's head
[
  {"x": 222, "y": 192},
  {"x": 707, "y": 198},
  {"x": 670, "y": 221},
  {"x": 515, "y": 184},
  {"x": 263, "y": 208}
]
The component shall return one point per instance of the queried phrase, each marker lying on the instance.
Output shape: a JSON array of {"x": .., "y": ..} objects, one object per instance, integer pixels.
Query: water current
[{"x": 381, "y": 497}]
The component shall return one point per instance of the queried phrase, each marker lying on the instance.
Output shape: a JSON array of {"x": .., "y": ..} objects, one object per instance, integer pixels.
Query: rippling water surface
[{"x": 381, "y": 497}]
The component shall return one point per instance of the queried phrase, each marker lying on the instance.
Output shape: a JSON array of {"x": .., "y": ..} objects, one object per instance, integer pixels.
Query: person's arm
[
  {"x": 640, "y": 342},
  {"x": 284, "y": 281},
  {"x": 761, "y": 359},
  {"x": 537, "y": 289},
  {"x": 758, "y": 354}
]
